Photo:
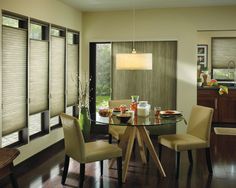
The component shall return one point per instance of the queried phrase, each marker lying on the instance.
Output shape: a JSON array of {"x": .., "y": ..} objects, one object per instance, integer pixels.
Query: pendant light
[{"x": 134, "y": 60}]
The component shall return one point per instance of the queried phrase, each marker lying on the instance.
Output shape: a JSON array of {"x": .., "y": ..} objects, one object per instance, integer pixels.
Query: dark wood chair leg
[
  {"x": 65, "y": 171},
  {"x": 101, "y": 167},
  {"x": 119, "y": 170},
  {"x": 110, "y": 139},
  {"x": 147, "y": 155},
  {"x": 190, "y": 157},
  {"x": 208, "y": 159},
  {"x": 12, "y": 177},
  {"x": 81, "y": 176},
  {"x": 177, "y": 164},
  {"x": 160, "y": 150}
]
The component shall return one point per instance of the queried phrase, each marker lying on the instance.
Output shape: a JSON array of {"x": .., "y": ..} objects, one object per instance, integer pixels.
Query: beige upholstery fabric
[
  {"x": 117, "y": 131},
  {"x": 100, "y": 150},
  {"x": 85, "y": 152},
  {"x": 198, "y": 131}
]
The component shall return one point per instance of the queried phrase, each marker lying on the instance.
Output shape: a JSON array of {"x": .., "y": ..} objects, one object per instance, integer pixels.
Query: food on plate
[
  {"x": 116, "y": 109},
  {"x": 169, "y": 112}
]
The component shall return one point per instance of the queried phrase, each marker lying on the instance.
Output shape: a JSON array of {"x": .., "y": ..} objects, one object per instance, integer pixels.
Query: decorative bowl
[
  {"x": 124, "y": 118},
  {"x": 104, "y": 112}
]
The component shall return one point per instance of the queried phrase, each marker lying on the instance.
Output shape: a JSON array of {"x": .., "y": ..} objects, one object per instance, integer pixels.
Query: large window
[
  {"x": 37, "y": 64},
  {"x": 38, "y": 77},
  {"x": 14, "y": 76},
  {"x": 57, "y": 71},
  {"x": 103, "y": 74}
]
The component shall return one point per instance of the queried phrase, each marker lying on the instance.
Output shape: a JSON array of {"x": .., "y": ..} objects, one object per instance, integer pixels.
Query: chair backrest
[
  {"x": 117, "y": 103},
  {"x": 200, "y": 122},
  {"x": 73, "y": 137}
]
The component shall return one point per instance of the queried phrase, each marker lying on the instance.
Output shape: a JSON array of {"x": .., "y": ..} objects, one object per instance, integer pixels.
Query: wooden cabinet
[
  {"x": 224, "y": 105},
  {"x": 227, "y": 107},
  {"x": 209, "y": 98}
]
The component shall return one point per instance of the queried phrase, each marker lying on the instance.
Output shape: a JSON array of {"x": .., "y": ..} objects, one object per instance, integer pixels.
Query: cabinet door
[
  {"x": 209, "y": 98},
  {"x": 227, "y": 107}
]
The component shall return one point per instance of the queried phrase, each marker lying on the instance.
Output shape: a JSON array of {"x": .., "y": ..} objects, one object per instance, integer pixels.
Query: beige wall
[
  {"x": 54, "y": 12},
  {"x": 179, "y": 24}
]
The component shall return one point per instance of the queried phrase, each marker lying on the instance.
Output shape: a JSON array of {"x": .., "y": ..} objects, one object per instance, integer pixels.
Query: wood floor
[{"x": 46, "y": 169}]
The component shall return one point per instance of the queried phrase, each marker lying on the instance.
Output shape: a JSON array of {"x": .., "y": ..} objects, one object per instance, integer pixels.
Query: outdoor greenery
[
  {"x": 102, "y": 101},
  {"x": 103, "y": 74}
]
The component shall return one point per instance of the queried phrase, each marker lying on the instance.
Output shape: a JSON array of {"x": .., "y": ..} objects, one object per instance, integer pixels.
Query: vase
[{"x": 84, "y": 123}]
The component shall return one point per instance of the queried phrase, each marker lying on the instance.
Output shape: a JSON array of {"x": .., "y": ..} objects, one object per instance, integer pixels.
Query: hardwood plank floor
[{"x": 46, "y": 170}]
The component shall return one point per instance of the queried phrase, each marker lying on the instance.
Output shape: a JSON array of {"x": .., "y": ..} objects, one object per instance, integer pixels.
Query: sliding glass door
[{"x": 100, "y": 74}]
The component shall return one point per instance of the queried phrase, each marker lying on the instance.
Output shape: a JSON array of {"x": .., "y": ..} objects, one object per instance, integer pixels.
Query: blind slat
[
  {"x": 57, "y": 76},
  {"x": 38, "y": 84},
  {"x": 14, "y": 79}
]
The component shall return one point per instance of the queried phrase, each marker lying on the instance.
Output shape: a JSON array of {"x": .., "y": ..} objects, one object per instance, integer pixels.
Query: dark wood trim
[{"x": 92, "y": 85}]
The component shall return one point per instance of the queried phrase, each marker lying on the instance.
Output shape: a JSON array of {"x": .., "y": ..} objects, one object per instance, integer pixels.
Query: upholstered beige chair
[
  {"x": 76, "y": 148},
  {"x": 196, "y": 137},
  {"x": 117, "y": 131}
]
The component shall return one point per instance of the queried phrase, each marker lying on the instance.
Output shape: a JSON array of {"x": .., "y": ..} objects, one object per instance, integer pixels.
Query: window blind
[
  {"x": 14, "y": 87},
  {"x": 38, "y": 83},
  {"x": 223, "y": 51},
  {"x": 72, "y": 74},
  {"x": 57, "y": 76}
]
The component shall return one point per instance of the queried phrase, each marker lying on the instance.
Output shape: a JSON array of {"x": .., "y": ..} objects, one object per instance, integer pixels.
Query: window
[
  {"x": 10, "y": 139},
  {"x": 103, "y": 74},
  {"x": 27, "y": 77},
  {"x": 72, "y": 68},
  {"x": 35, "y": 124},
  {"x": 38, "y": 79},
  {"x": 57, "y": 82},
  {"x": 35, "y": 31},
  {"x": 12, "y": 22},
  {"x": 14, "y": 76}
]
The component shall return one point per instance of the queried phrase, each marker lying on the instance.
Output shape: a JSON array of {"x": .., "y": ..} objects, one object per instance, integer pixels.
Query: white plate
[{"x": 170, "y": 112}]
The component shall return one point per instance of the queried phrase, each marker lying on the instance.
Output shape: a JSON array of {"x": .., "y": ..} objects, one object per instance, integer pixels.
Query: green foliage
[
  {"x": 103, "y": 73},
  {"x": 102, "y": 101}
]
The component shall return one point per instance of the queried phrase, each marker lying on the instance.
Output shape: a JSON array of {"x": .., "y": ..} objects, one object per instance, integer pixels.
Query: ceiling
[{"x": 111, "y": 5}]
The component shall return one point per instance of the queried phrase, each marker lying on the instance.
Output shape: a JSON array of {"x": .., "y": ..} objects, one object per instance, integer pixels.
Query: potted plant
[{"x": 199, "y": 82}]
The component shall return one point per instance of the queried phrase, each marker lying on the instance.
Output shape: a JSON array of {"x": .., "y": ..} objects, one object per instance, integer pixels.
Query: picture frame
[{"x": 202, "y": 55}]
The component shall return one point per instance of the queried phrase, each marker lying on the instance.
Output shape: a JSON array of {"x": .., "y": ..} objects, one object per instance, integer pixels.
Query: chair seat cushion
[
  {"x": 117, "y": 131},
  {"x": 182, "y": 142},
  {"x": 100, "y": 150}
]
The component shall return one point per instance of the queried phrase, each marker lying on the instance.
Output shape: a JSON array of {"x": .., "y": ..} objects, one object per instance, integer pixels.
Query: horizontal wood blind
[
  {"x": 72, "y": 74},
  {"x": 157, "y": 86},
  {"x": 38, "y": 83},
  {"x": 57, "y": 76},
  {"x": 223, "y": 51},
  {"x": 14, "y": 85}
]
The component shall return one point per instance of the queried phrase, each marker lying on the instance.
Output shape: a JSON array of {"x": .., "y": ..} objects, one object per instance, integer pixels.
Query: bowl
[
  {"x": 124, "y": 118},
  {"x": 104, "y": 112}
]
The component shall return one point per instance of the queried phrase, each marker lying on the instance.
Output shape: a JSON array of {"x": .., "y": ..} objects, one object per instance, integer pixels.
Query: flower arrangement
[{"x": 213, "y": 82}]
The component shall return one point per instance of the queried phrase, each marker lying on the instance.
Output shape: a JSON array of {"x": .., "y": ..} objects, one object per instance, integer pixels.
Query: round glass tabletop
[{"x": 150, "y": 120}]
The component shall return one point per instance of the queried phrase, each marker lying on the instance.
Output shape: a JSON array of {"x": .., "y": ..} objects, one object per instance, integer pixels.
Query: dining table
[{"x": 136, "y": 129}]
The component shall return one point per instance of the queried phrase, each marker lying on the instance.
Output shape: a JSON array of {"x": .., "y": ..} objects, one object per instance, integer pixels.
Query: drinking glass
[{"x": 157, "y": 110}]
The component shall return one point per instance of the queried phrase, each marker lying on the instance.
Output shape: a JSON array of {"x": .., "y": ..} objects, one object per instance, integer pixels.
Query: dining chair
[
  {"x": 197, "y": 136},
  {"x": 117, "y": 131},
  {"x": 7, "y": 155},
  {"x": 77, "y": 149}
]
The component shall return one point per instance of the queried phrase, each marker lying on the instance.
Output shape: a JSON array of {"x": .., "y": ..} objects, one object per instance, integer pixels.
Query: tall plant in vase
[{"x": 83, "y": 105}]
